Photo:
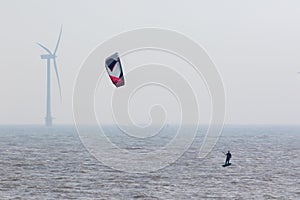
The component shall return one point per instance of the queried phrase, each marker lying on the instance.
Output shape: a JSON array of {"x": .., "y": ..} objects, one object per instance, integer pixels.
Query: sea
[{"x": 52, "y": 163}]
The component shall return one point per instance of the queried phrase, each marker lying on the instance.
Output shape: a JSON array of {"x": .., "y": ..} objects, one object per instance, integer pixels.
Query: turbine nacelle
[{"x": 48, "y": 56}]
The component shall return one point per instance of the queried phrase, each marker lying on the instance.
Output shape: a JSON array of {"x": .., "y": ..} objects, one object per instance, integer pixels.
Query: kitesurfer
[{"x": 228, "y": 156}]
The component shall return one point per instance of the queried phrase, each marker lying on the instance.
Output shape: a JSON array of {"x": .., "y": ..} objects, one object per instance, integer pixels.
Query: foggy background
[{"x": 255, "y": 46}]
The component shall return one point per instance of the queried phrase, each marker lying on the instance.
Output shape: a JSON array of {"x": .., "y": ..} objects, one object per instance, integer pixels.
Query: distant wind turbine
[{"x": 49, "y": 56}]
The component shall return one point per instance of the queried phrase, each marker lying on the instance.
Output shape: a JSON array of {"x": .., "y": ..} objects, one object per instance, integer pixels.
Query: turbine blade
[
  {"x": 46, "y": 49},
  {"x": 56, "y": 72},
  {"x": 57, "y": 44}
]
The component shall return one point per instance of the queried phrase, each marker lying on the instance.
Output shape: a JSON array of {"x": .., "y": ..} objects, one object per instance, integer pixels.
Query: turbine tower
[{"x": 50, "y": 56}]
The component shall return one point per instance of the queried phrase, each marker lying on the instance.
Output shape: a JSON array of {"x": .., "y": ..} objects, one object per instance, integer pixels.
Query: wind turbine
[{"x": 48, "y": 57}]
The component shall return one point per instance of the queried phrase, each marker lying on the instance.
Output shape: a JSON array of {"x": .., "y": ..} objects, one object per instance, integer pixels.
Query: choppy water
[{"x": 39, "y": 163}]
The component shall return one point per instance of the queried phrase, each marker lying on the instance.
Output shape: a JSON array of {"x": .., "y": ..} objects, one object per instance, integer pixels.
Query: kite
[{"x": 114, "y": 69}]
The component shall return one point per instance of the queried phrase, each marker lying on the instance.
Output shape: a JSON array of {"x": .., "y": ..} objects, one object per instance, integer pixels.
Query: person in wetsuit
[{"x": 228, "y": 156}]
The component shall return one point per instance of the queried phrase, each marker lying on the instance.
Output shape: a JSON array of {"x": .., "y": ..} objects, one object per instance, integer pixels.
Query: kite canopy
[{"x": 114, "y": 69}]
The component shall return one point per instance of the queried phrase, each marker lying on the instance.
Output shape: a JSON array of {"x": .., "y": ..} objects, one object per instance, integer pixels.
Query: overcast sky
[{"x": 254, "y": 44}]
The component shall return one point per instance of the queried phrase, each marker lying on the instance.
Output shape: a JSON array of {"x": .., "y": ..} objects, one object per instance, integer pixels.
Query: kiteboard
[{"x": 226, "y": 165}]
